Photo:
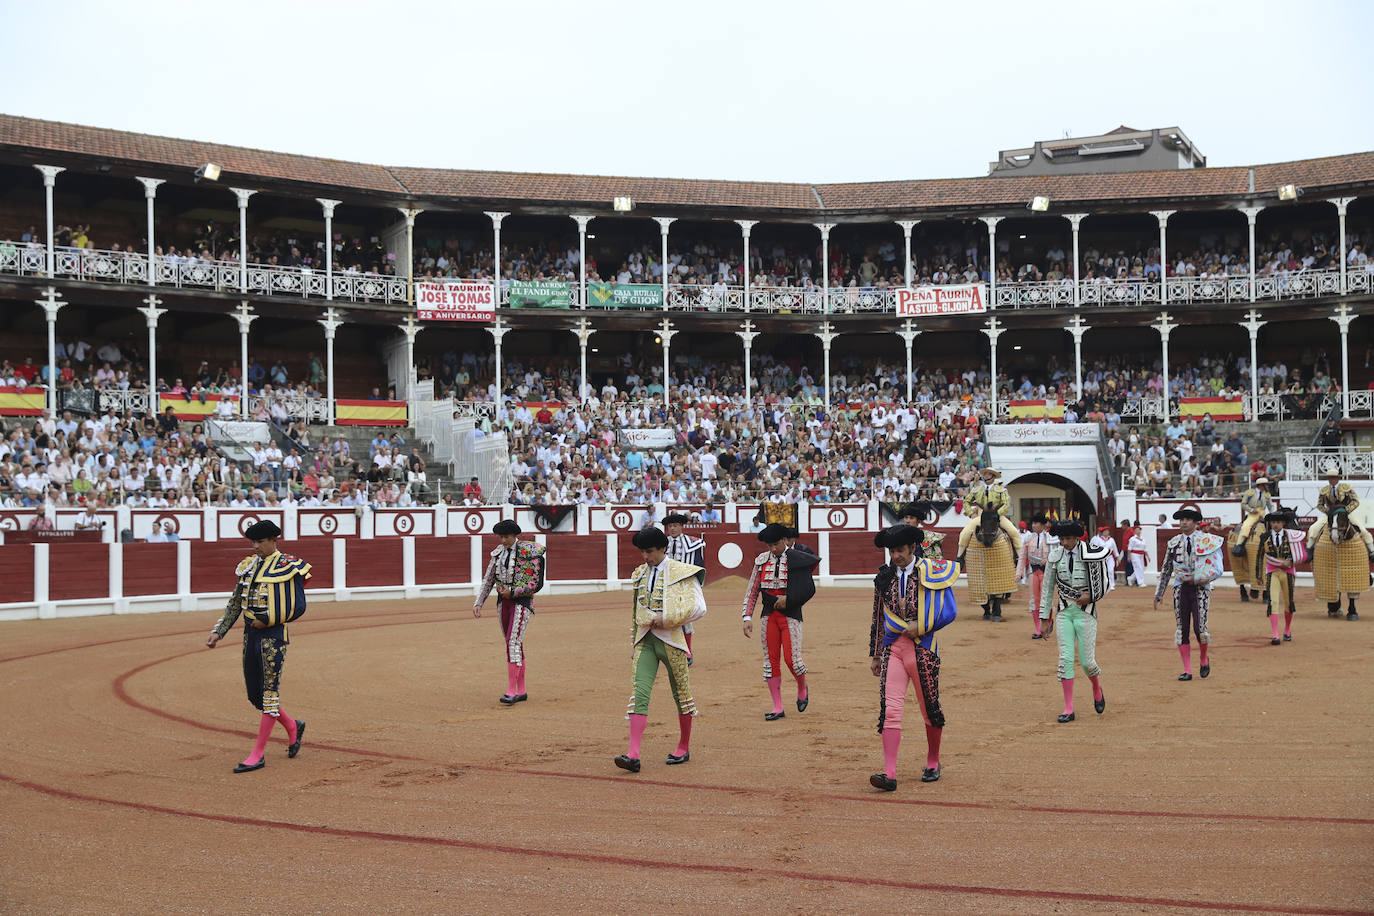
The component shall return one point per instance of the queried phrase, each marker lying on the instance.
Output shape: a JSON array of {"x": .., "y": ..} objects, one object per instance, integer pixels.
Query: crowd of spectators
[
  {"x": 960, "y": 257},
  {"x": 782, "y": 444}
]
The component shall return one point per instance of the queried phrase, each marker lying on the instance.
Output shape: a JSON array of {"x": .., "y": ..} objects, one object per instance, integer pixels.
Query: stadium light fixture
[
  {"x": 623, "y": 204},
  {"x": 209, "y": 171},
  {"x": 1039, "y": 204},
  {"x": 1289, "y": 192}
]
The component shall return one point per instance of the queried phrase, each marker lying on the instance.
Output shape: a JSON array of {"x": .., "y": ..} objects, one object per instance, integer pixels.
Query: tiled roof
[{"x": 30, "y": 136}]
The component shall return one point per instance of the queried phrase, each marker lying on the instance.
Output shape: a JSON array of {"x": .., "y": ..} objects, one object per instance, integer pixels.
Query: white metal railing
[
  {"x": 192, "y": 273},
  {"x": 131, "y": 267},
  {"x": 1308, "y": 463},
  {"x": 1359, "y": 404},
  {"x": 123, "y": 401},
  {"x": 298, "y": 406},
  {"x": 1042, "y": 295}
]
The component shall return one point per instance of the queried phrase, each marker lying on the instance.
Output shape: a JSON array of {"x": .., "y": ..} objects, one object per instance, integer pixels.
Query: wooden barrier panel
[
  {"x": 442, "y": 560},
  {"x": 374, "y": 562},
  {"x": 149, "y": 569},
  {"x": 573, "y": 557},
  {"x": 213, "y": 564},
  {"x": 80, "y": 571},
  {"x": 16, "y": 572}
]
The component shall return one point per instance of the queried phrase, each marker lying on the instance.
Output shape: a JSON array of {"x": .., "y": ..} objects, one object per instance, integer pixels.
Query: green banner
[
  {"x": 625, "y": 295},
  {"x": 540, "y": 294}
]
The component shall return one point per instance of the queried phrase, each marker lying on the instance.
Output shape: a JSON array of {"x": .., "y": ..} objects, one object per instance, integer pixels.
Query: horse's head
[
  {"x": 989, "y": 526},
  {"x": 1339, "y": 524}
]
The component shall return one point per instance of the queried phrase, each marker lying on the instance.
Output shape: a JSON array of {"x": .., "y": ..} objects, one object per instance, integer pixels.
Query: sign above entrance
[{"x": 1030, "y": 434}]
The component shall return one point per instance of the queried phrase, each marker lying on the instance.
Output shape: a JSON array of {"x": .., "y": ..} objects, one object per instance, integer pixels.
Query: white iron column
[
  {"x": 665, "y": 332},
  {"x": 49, "y": 181},
  {"x": 745, "y": 225},
  {"x": 992, "y": 222},
  {"x": 827, "y": 334},
  {"x": 1074, "y": 219},
  {"x": 498, "y": 331},
  {"x": 496, "y": 216},
  {"x": 328, "y": 206},
  {"x": 152, "y": 313},
  {"x": 1165, "y": 327},
  {"x": 825, "y": 271},
  {"x": 1077, "y": 328},
  {"x": 908, "y": 333},
  {"x": 907, "y": 225},
  {"x": 1341, "y": 203},
  {"x": 331, "y": 323},
  {"x": 410, "y": 329},
  {"x": 1251, "y": 214},
  {"x": 1163, "y": 217},
  {"x": 410, "y": 213},
  {"x": 51, "y": 307},
  {"x": 582, "y": 221},
  {"x": 245, "y": 317},
  {"x": 1343, "y": 317},
  {"x": 584, "y": 331},
  {"x": 150, "y": 192},
  {"x": 747, "y": 334},
  {"x": 1252, "y": 324},
  {"x": 994, "y": 330},
  {"x": 663, "y": 223},
  {"x": 243, "y": 196}
]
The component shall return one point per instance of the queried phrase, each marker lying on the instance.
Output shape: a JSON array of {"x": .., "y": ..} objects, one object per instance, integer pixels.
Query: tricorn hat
[
  {"x": 649, "y": 538},
  {"x": 898, "y": 536},
  {"x": 262, "y": 530},
  {"x": 773, "y": 533}
]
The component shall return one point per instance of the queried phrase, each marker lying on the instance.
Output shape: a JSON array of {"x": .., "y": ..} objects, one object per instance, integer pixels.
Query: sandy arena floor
[{"x": 416, "y": 791}]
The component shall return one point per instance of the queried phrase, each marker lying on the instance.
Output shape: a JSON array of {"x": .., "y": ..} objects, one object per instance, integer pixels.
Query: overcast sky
[{"x": 782, "y": 91}]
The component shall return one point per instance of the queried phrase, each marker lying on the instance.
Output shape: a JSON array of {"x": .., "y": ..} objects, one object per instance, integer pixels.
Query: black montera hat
[
  {"x": 649, "y": 538},
  {"x": 262, "y": 530}
]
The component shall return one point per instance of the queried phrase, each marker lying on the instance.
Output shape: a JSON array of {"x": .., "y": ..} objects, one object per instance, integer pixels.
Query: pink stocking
[
  {"x": 1274, "y": 624},
  {"x": 1068, "y": 695},
  {"x": 1097, "y": 688},
  {"x": 520, "y": 679},
  {"x": 1287, "y": 624},
  {"x": 775, "y": 688},
  {"x": 684, "y": 728},
  {"x": 637, "y": 723},
  {"x": 933, "y": 746},
  {"x": 512, "y": 679},
  {"x": 1036, "y": 618},
  {"x": 1202, "y": 654},
  {"x": 892, "y": 739},
  {"x": 289, "y": 724},
  {"x": 802, "y": 691},
  {"x": 264, "y": 730},
  {"x": 1185, "y": 653}
]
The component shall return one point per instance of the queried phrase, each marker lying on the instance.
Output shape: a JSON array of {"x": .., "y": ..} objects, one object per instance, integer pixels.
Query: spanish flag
[
  {"x": 22, "y": 402},
  {"x": 194, "y": 409},
  {"x": 369, "y": 413},
  {"x": 1035, "y": 410},
  {"x": 1219, "y": 408}
]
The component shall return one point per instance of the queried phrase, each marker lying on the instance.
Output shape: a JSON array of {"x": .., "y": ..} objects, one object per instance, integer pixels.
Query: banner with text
[
  {"x": 965, "y": 299},
  {"x": 660, "y": 437},
  {"x": 464, "y": 301},
  {"x": 624, "y": 295},
  {"x": 540, "y": 294}
]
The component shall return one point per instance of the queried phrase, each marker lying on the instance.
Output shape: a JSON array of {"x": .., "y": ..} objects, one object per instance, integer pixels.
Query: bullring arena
[{"x": 385, "y": 363}]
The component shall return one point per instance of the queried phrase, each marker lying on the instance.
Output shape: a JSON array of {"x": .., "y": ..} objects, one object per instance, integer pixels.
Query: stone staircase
[
  {"x": 359, "y": 439},
  {"x": 1269, "y": 440}
]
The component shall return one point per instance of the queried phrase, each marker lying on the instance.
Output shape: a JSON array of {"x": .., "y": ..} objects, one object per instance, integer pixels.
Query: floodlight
[
  {"x": 623, "y": 204},
  {"x": 1039, "y": 204},
  {"x": 209, "y": 171},
  {"x": 1289, "y": 192}
]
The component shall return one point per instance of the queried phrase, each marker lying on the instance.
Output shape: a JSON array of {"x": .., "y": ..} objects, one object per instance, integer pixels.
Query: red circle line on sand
[
  {"x": 708, "y": 867},
  {"x": 120, "y": 691}
]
